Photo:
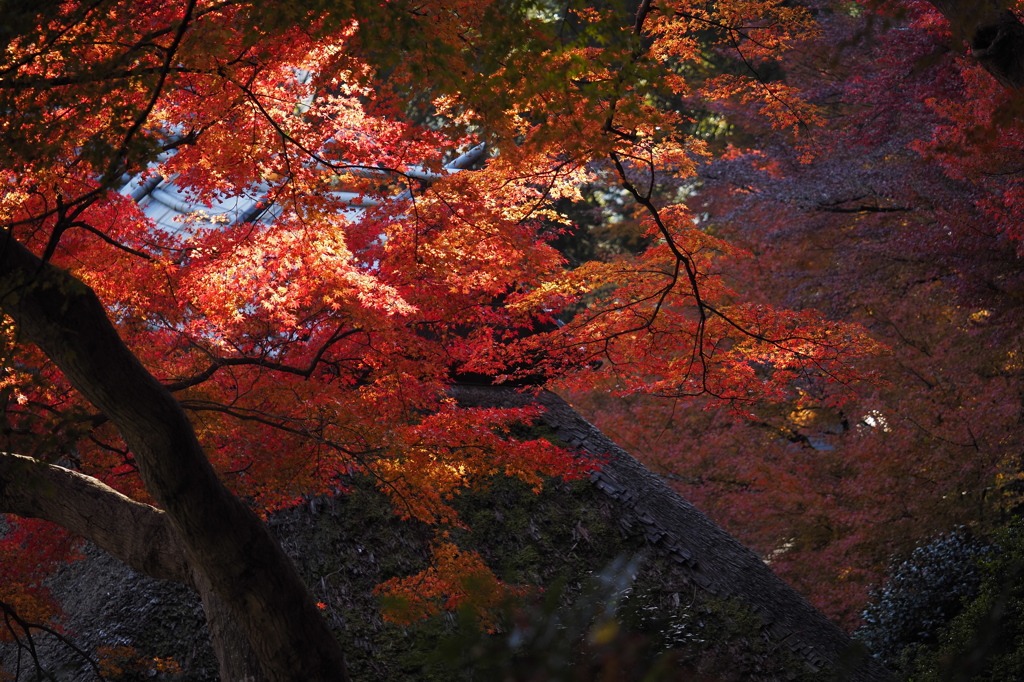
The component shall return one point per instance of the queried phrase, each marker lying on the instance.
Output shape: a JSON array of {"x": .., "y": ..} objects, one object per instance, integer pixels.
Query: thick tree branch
[
  {"x": 138, "y": 534},
  {"x": 994, "y": 34}
]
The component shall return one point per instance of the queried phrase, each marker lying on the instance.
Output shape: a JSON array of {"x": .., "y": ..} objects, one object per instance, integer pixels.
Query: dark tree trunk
[
  {"x": 238, "y": 661},
  {"x": 994, "y": 34},
  {"x": 220, "y": 537}
]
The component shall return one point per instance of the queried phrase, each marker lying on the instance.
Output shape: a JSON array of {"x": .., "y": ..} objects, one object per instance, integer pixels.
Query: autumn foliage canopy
[
  {"x": 895, "y": 209},
  {"x": 316, "y": 339}
]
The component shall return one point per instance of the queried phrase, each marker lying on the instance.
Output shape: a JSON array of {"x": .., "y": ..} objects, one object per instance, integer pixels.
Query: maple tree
[
  {"x": 179, "y": 372},
  {"x": 900, "y": 212}
]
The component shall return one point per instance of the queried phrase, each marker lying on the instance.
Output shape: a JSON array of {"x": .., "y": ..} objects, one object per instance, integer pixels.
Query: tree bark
[
  {"x": 138, "y": 534},
  {"x": 715, "y": 561},
  {"x": 238, "y": 661},
  {"x": 994, "y": 34},
  {"x": 220, "y": 537}
]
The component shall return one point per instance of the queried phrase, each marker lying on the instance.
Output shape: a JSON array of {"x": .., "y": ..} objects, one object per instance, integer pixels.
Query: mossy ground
[
  {"x": 563, "y": 540},
  {"x": 564, "y": 536}
]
